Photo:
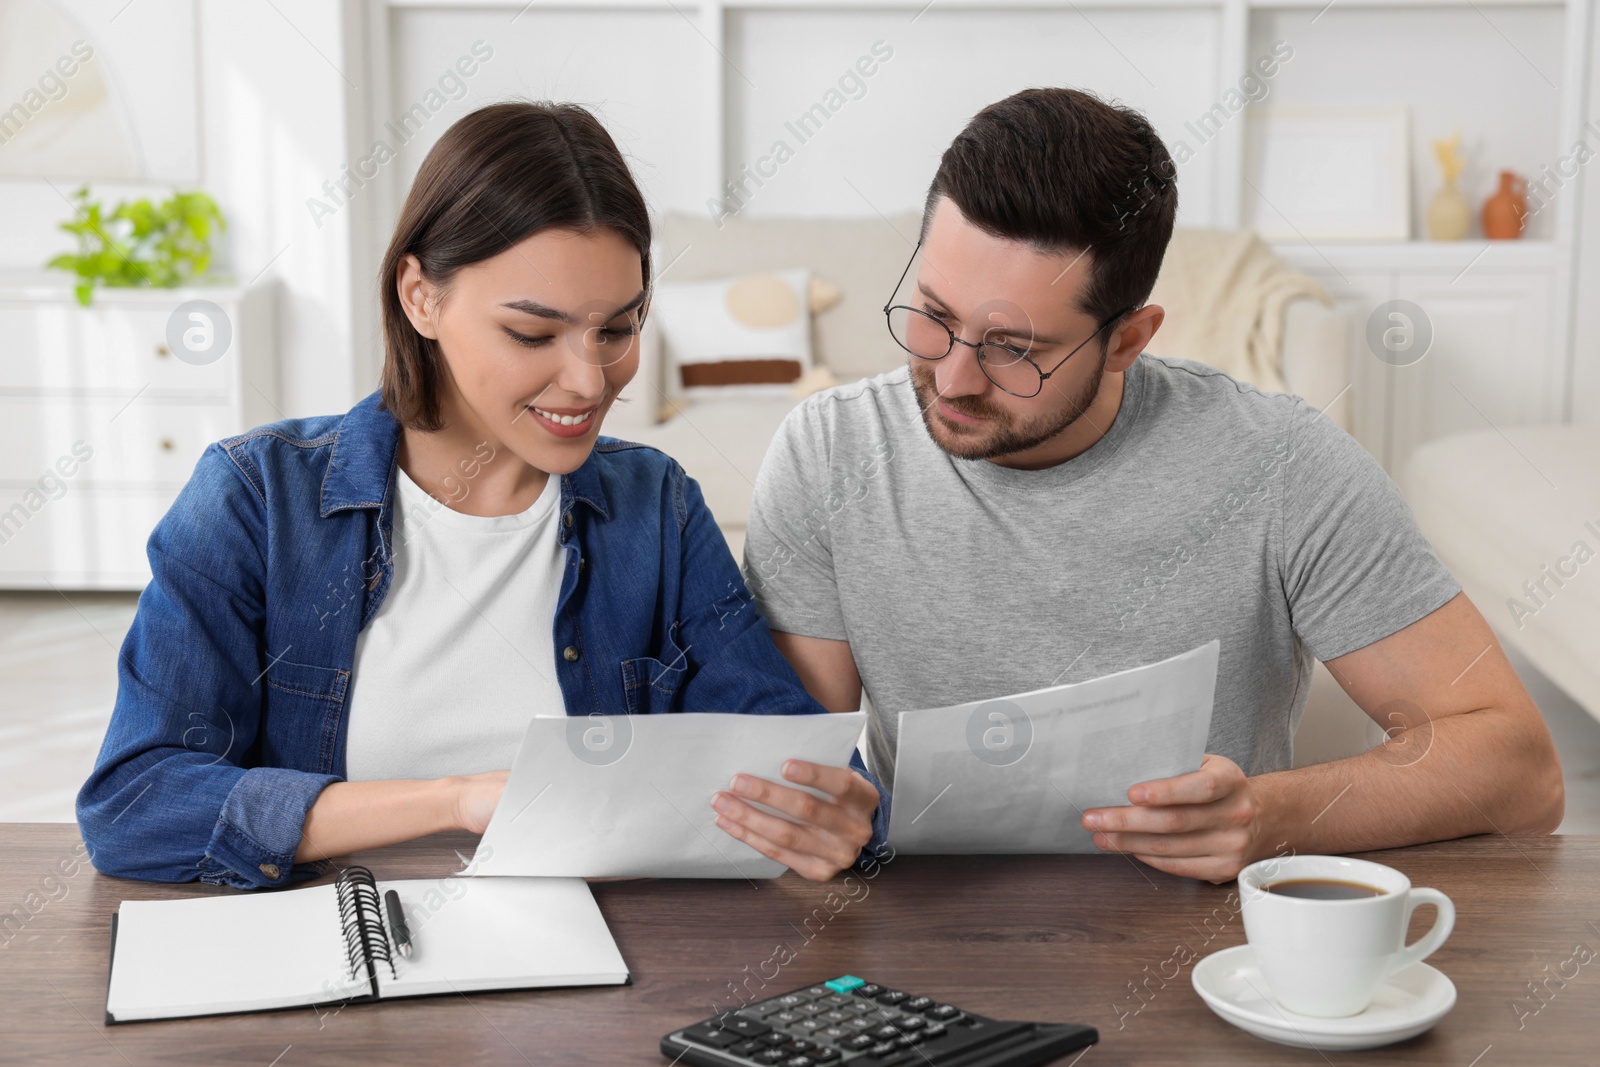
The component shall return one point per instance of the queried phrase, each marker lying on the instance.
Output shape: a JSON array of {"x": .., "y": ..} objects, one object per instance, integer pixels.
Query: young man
[{"x": 1056, "y": 506}]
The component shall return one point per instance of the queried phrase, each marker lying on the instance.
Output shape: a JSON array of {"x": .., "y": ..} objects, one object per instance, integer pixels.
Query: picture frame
[{"x": 1328, "y": 174}]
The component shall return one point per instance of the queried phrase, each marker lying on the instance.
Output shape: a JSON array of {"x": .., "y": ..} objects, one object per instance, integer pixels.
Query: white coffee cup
[{"x": 1328, "y": 958}]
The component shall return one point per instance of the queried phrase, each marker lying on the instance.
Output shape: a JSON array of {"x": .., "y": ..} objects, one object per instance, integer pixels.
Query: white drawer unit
[
  {"x": 1494, "y": 359},
  {"x": 102, "y": 421}
]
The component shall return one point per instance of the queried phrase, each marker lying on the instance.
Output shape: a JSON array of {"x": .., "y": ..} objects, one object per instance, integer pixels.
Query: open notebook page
[
  {"x": 500, "y": 933},
  {"x": 287, "y": 950}
]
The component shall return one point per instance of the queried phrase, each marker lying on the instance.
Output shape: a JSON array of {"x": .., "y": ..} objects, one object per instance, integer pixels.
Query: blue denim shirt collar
[{"x": 362, "y": 465}]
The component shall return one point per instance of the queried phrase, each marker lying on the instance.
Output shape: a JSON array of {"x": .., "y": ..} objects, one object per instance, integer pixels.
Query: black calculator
[{"x": 848, "y": 1020}]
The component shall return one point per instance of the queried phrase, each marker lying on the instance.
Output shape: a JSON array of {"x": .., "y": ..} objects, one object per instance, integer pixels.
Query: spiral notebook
[{"x": 331, "y": 945}]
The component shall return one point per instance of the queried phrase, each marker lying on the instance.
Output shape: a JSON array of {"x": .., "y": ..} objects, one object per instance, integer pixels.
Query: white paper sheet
[
  {"x": 1015, "y": 774},
  {"x": 630, "y": 795}
]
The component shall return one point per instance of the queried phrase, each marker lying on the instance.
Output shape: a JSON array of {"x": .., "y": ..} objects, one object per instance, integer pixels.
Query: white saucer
[{"x": 1408, "y": 1003}]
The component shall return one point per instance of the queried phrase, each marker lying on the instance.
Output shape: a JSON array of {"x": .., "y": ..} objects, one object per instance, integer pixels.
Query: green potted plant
[{"x": 140, "y": 243}]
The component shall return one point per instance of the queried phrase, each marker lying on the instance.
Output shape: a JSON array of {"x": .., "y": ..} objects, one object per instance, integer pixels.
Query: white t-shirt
[{"x": 461, "y": 654}]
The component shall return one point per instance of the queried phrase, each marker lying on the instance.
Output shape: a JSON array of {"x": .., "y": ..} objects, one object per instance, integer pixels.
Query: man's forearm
[{"x": 1470, "y": 773}]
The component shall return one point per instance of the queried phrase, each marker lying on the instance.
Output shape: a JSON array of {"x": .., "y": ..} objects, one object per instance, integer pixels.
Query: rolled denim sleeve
[
  {"x": 173, "y": 795},
  {"x": 877, "y": 845},
  {"x": 734, "y": 663}
]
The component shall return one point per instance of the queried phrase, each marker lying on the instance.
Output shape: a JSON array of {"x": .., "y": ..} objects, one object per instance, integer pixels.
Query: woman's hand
[
  {"x": 824, "y": 837},
  {"x": 476, "y": 796}
]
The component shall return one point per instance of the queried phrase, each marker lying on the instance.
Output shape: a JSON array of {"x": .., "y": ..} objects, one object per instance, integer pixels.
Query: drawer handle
[{"x": 167, "y": 444}]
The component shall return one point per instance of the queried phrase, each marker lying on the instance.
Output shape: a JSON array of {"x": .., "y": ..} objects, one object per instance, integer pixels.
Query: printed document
[
  {"x": 630, "y": 795},
  {"x": 1015, "y": 774}
]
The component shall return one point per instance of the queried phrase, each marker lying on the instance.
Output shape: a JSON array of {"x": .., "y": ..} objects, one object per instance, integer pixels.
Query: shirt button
[
  {"x": 567, "y": 518},
  {"x": 570, "y": 654},
  {"x": 580, "y": 564},
  {"x": 272, "y": 871}
]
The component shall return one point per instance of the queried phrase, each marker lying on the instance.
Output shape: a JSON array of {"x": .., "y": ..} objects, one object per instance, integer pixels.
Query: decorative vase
[
  {"x": 1506, "y": 212},
  {"x": 1449, "y": 215}
]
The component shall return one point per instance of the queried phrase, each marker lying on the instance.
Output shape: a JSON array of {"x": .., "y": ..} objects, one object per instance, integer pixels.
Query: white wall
[
  {"x": 1585, "y": 192},
  {"x": 878, "y": 152},
  {"x": 275, "y": 89}
]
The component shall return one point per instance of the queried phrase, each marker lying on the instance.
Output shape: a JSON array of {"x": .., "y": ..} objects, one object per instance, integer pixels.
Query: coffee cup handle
[{"x": 1428, "y": 943}]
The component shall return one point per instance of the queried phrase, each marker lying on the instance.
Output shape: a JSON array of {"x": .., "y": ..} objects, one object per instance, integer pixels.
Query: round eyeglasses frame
[{"x": 1012, "y": 354}]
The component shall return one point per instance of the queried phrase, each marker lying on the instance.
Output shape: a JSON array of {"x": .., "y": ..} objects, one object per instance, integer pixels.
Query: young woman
[{"x": 351, "y": 618}]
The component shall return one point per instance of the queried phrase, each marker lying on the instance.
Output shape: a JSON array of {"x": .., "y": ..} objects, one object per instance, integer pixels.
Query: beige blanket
[{"x": 1224, "y": 293}]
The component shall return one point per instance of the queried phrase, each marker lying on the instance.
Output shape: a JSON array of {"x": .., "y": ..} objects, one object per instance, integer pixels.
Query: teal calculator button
[{"x": 845, "y": 984}]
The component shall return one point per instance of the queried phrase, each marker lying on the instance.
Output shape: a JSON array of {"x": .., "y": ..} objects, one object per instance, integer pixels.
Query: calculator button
[
  {"x": 770, "y": 1056},
  {"x": 748, "y": 1048},
  {"x": 918, "y": 1004},
  {"x": 836, "y": 1001},
  {"x": 882, "y": 1048},
  {"x": 785, "y": 1017},
  {"x": 861, "y": 1023},
  {"x": 824, "y": 1055},
  {"x": 797, "y": 1061},
  {"x": 891, "y": 996},
  {"x": 798, "y": 1045},
  {"x": 908, "y": 1023},
  {"x": 943, "y": 1012},
  {"x": 715, "y": 1036},
  {"x": 860, "y": 1042},
  {"x": 789, "y": 1000},
  {"x": 933, "y": 1030},
  {"x": 871, "y": 989},
  {"x": 818, "y": 991},
  {"x": 808, "y": 1025},
  {"x": 886, "y": 1033},
  {"x": 773, "y": 1039},
  {"x": 812, "y": 1009},
  {"x": 837, "y": 1016},
  {"x": 845, "y": 983},
  {"x": 736, "y": 1024}
]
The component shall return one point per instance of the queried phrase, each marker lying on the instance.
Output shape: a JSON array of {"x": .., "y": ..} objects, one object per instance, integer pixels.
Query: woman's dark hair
[
  {"x": 1064, "y": 171},
  {"x": 496, "y": 176}
]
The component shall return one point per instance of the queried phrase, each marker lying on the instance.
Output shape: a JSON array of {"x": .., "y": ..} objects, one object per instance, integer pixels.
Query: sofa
[{"x": 1515, "y": 514}]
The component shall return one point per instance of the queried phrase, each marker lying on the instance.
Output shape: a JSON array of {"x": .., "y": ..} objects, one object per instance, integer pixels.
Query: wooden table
[{"x": 1092, "y": 939}]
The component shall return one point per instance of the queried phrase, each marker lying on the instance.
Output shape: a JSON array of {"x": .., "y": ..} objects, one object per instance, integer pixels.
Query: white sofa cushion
[{"x": 1516, "y": 518}]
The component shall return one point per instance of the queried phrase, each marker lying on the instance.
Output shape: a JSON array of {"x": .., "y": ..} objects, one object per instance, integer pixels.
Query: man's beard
[{"x": 1006, "y": 435}]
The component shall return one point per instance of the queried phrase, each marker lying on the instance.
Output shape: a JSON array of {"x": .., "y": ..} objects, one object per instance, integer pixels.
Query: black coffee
[{"x": 1322, "y": 889}]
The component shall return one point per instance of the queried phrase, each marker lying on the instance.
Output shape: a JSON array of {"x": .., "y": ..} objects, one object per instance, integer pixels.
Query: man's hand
[
  {"x": 1207, "y": 824},
  {"x": 825, "y": 835}
]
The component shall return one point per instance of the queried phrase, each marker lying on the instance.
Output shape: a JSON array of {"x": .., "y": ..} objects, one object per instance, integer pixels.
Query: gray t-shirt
[{"x": 1208, "y": 510}]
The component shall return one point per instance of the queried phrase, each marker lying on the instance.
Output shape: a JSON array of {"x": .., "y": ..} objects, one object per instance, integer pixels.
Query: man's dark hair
[
  {"x": 500, "y": 174},
  {"x": 1064, "y": 171}
]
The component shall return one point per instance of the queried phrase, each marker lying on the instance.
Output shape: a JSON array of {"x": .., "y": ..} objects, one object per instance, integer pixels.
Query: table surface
[{"x": 1099, "y": 939}]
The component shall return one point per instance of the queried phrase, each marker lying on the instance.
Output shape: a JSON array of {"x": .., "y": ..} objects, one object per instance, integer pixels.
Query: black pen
[{"x": 397, "y": 923}]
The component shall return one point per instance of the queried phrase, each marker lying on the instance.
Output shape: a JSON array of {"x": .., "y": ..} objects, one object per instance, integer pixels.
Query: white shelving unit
[{"x": 1512, "y": 75}]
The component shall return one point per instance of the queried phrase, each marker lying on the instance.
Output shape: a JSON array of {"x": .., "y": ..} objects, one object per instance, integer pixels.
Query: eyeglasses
[{"x": 1010, "y": 368}]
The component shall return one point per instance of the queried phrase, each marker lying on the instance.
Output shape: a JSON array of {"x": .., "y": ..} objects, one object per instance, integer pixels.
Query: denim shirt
[{"x": 231, "y": 714}]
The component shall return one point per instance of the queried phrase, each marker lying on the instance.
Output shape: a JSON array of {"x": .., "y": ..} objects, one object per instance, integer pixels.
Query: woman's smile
[{"x": 565, "y": 422}]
